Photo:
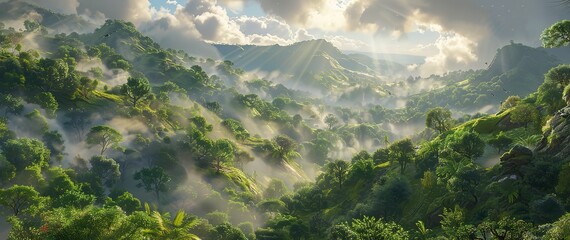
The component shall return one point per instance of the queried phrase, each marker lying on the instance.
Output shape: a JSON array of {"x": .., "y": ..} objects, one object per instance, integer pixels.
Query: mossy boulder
[{"x": 556, "y": 139}]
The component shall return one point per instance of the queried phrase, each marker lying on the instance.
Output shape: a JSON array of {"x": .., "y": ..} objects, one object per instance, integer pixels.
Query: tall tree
[
  {"x": 468, "y": 144},
  {"x": 525, "y": 114},
  {"x": 136, "y": 89},
  {"x": 222, "y": 152},
  {"x": 20, "y": 199},
  {"x": 511, "y": 102},
  {"x": 105, "y": 137},
  {"x": 502, "y": 142},
  {"x": 439, "y": 119},
  {"x": 338, "y": 170},
  {"x": 559, "y": 74},
  {"x": 153, "y": 179},
  {"x": 25, "y": 152},
  {"x": 106, "y": 169},
  {"x": 557, "y": 35},
  {"x": 284, "y": 148},
  {"x": 402, "y": 151},
  {"x": 331, "y": 121}
]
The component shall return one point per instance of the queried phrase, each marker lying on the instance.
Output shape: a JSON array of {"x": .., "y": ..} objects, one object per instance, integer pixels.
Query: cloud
[
  {"x": 455, "y": 51},
  {"x": 345, "y": 43},
  {"x": 303, "y": 35},
  {"x": 264, "y": 26},
  {"x": 136, "y": 11}
]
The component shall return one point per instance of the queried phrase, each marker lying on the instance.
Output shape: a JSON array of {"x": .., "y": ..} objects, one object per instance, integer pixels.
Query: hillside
[
  {"x": 516, "y": 70},
  {"x": 313, "y": 63},
  {"x": 105, "y": 134}
]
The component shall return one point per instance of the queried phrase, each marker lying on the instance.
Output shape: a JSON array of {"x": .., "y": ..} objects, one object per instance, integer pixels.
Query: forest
[{"x": 106, "y": 134}]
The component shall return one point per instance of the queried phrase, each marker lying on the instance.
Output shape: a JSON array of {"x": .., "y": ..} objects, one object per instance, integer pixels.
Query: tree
[
  {"x": 501, "y": 142},
  {"x": 560, "y": 229},
  {"x": 87, "y": 86},
  {"x": 136, "y": 89},
  {"x": 128, "y": 202},
  {"x": 402, "y": 151},
  {"x": 506, "y": 229},
  {"x": 153, "y": 179},
  {"x": 20, "y": 199},
  {"x": 370, "y": 228},
  {"x": 275, "y": 189},
  {"x": 105, "y": 137},
  {"x": 226, "y": 231},
  {"x": 512, "y": 101},
  {"x": 12, "y": 104},
  {"x": 559, "y": 74},
  {"x": 222, "y": 152},
  {"x": 453, "y": 224},
  {"x": 105, "y": 169},
  {"x": 557, "y": 35},
  {"x": 465, "y": 181},
  {"x": 7, "y": 170},
  {"x": 54, "y": 142},
  {"x": 47, "y": 101},
  {"x": 468, "y": 144},
  {"x": 439, "y": 119},
  {"x": 524, "y": 114},
  {"x": 338, "y": 170},
  {"x": 284, "y": 148},
  {"x": 25, "y": 152},
  {"x": 331, "y": 121}
]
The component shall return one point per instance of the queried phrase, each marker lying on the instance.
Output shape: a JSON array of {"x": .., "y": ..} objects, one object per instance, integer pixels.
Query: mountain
[
  {"x": 13, "y": 10},
  {"x": 404, "y": 59},
  {"x": 516, "y": 70},
  {"x": 316, "y": 63}
]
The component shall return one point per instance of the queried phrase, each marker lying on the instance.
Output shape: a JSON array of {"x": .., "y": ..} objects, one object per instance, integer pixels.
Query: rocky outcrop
[
  {"x": 556, "y": 140},
  {"x": 513, "y": 160}
]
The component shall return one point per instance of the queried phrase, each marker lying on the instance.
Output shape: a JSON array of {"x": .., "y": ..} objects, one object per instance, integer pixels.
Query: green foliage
[
  {"x": 105, "y": 169},
  {"x": 501, "y": 142},
  {"x": 284, "y": 148},
  {"x": 557, "y": 35},
  {"x": 135, "y": 89},
  {"x": 26, "y": 152},
  {"x": 512, "y": 101},
  {"x": 104, "y": 136},
  {"x": 236, "y": 128},
  {"x": 403, "y": 152},
  {"x": 153, "y": 179},
  {"x": 439, "y": 119},
  {"x": 227, "y": 231},
  {"x": 525, "y": 114},
  {"x": 468, "y": 144},
  {"x": 566, "y": 95},
  {"x": 331, "y": 121},
  {"x": 222, "y": 151},
  {"x": 338, "y": 170},
  {"x": 7, "y": 170},
  {"x": 560, "y": 229},
  {"x": 21, "y": 200},
  {"x": 275, "y": 189},
  {"x": 369, "y": 228},
  {"x": 559, "y": 74},
  {"x": 12, "y": 104}
]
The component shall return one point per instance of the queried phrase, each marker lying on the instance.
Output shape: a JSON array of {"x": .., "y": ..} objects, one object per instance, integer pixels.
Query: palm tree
[{"x": 167, "y": 229}]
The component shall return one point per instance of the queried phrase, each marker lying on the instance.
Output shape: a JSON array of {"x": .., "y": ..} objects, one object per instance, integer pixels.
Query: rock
[
  {"x": 556, "y": 140},
  {"x": 513, "y": 160}
]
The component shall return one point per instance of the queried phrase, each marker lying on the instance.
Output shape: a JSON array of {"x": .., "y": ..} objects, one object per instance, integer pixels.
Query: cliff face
[{"x": 556, "y": 140}]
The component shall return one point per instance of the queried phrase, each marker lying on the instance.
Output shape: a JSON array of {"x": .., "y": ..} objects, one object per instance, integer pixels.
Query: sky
[{"x": 451, "y": 34}]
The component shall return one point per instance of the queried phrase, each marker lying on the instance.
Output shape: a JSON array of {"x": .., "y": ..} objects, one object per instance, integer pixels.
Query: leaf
[{"x": 179, "y": 218}]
